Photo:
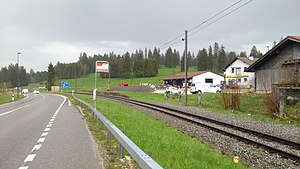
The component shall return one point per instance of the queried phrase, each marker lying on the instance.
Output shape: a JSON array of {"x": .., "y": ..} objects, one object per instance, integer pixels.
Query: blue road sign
[{"x": 64, "y": 84}]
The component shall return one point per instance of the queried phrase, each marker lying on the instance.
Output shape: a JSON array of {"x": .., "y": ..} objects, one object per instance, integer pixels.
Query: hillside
[{"x": 88, "y": 81}]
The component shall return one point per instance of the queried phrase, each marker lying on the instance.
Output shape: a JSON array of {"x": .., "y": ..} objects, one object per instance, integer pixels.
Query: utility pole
[
  {"x": 75, "y": 80},
  {"x": 185, "y": 67},
  {"x": 18, "y": 74}
]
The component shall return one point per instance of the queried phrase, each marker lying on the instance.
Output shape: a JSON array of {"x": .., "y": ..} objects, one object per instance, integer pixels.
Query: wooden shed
[{"x": 279, "y": 66}]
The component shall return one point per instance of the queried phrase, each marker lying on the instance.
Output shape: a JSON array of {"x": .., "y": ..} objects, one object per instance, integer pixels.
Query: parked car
[
  {"x": 173, "y": 89},
  {"x": 123, "y": 84},
  {"x": 36, "y": 92},
  {"x": 25, "y": 91},
  {"x": 204, "y": 88}
]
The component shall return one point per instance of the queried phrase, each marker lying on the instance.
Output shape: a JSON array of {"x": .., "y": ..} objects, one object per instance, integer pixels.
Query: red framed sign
[{"x": 102, "y": 66}]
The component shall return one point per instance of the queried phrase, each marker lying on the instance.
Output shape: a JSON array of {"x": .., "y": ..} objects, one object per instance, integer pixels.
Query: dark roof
[
  {"x": 182, "y": 75},
  {"x": 267, "y": 55},
  {"x": 243, "y": 59}
]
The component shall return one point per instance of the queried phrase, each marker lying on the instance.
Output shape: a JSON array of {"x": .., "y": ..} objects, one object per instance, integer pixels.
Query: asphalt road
[{"x": 42, "y": 131}]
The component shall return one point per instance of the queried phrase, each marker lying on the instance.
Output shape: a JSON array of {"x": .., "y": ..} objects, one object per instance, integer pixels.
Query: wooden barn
[{"x": 280, "y": 66}]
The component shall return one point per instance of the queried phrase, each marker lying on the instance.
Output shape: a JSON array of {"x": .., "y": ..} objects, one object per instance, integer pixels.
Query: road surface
[{"x": 42, "y": 131}]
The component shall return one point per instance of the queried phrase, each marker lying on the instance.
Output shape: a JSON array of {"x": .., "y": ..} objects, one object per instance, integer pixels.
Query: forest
[{"x": 141, "y": 63}]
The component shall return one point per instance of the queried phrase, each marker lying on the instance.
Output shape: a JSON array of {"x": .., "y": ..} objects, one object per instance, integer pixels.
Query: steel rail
[{"x": 190, "y": 117}]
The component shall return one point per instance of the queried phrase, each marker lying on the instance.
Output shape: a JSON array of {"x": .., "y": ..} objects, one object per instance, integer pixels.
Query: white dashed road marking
[
  {"x": 41, "y": 140},
  {"x": 44, "y": 134},
  {"x": 30, "y": 157},
  {"x": 23, "y": 167},
  {"x": 36, "y": 147},
  {"x": 47, "y": 129}
]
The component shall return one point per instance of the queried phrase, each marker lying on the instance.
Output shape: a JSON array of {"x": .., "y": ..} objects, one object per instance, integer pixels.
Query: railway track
[{"x": 285, "y": 148}]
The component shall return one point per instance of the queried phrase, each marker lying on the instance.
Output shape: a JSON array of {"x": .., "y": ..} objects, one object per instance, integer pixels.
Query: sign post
[
  {"x": 100, "y": 66},
  {"x": 64, "y": 85}
]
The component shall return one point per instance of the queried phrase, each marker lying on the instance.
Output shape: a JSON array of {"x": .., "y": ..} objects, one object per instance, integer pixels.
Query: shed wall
[{"x": 269, "y": 72}]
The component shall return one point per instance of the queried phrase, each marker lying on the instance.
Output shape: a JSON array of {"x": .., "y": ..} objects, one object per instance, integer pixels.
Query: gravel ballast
[{"x": 249, "y": 154}]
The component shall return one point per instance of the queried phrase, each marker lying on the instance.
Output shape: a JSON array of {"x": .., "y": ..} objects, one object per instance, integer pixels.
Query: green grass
[
  {"x": 169, "y": 147},
  {"x": 88, "y": 82},
  {"x": 251, "y": 106},
  {"x": 6, "y": 98}
]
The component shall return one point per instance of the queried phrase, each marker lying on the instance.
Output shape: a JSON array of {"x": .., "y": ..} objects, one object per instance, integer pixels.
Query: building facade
[
  {"x": 235, "y": 72},
  {"x": 280, "y": 66}
]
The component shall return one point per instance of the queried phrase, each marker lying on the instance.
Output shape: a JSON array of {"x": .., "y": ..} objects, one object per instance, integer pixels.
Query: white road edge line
[{"x": 14, "y": 110}]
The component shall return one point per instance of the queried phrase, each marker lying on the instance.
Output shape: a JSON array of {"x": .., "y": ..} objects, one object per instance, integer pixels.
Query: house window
[
  {"x": 245, "y": 79},
  {"x": 208, "y": 80},
  {"x": 232, "y": 70},
  {"x": 239, "y": 80},
  {"x": 245, "y": 69}
]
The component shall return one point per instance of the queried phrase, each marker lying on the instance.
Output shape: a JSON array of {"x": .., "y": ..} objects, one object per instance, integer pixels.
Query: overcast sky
[{"x": 47, "y": 31}]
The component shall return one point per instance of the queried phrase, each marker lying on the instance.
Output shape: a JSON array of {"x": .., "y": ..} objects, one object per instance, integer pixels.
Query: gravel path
[{"x": 249, "y": 155}]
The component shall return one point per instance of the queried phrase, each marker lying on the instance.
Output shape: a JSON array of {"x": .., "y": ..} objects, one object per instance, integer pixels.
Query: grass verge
[
  {"x": 169, "y": 147},
  {"x": 251, "y": 106},
  {"x": 7, "y": 98}
]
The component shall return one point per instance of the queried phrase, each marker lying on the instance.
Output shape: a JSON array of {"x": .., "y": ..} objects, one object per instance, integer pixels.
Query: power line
[
  {"x": 169, "y": 43},
  {"x": 220, "y": 18},
  {"x": 165, "y": 44},
  {"x": 215, "y": 15}
]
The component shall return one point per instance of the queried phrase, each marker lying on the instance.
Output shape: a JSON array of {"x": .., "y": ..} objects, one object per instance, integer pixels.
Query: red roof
[{"x": 182, "y": 75}]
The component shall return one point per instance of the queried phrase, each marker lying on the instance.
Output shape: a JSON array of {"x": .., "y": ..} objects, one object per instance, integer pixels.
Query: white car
[
  {"x": 173, "y": 89},
  {"x": 36, "y": 92}
]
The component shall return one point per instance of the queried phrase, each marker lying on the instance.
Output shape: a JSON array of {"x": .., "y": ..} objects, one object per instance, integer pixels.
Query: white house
[
  {"x": 200, "y": 77},
  {"x": 235, "y": 71},
  {"x": 208, "y": 77}
]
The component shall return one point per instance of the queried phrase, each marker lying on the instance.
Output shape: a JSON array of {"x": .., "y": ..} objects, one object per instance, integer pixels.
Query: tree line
[
  {"x": 141, "y": 63},
  {"x": 14, "y": 75},
  {"x": 213, "y": 59}
]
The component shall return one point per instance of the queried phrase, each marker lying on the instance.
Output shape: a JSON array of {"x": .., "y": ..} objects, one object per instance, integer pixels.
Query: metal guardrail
[{"x": 144, "y": 160}]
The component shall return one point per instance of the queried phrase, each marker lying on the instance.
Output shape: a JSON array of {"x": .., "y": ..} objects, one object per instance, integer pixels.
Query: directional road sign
[{"x": 64, "y": 84}]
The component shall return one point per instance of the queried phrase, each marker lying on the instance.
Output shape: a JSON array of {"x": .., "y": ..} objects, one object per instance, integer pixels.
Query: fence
[{"x": 144, "y": 160}]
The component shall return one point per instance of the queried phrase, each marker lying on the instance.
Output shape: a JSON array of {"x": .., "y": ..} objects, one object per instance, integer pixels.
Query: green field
[
  {"x": 252, "y": 105},
  {"x": 6, "y": 98},
  {"x": 169, "y": 147},
  {"x": 88, "y": 82}
]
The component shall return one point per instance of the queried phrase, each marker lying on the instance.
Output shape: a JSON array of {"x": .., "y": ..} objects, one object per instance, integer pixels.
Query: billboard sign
[{"x": 102, "y": 66}]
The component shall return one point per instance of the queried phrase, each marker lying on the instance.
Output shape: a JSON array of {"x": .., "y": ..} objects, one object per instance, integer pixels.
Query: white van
[
  {"x": 25, "y": 91},
  {"x": 204, "y": 88}
]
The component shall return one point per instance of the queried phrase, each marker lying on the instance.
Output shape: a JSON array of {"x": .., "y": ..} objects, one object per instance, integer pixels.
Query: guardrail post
[
  {"x": 121, "y": 150},
  {"x": 101, "y": 125},
  {"x": 108, "y": 135}
]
